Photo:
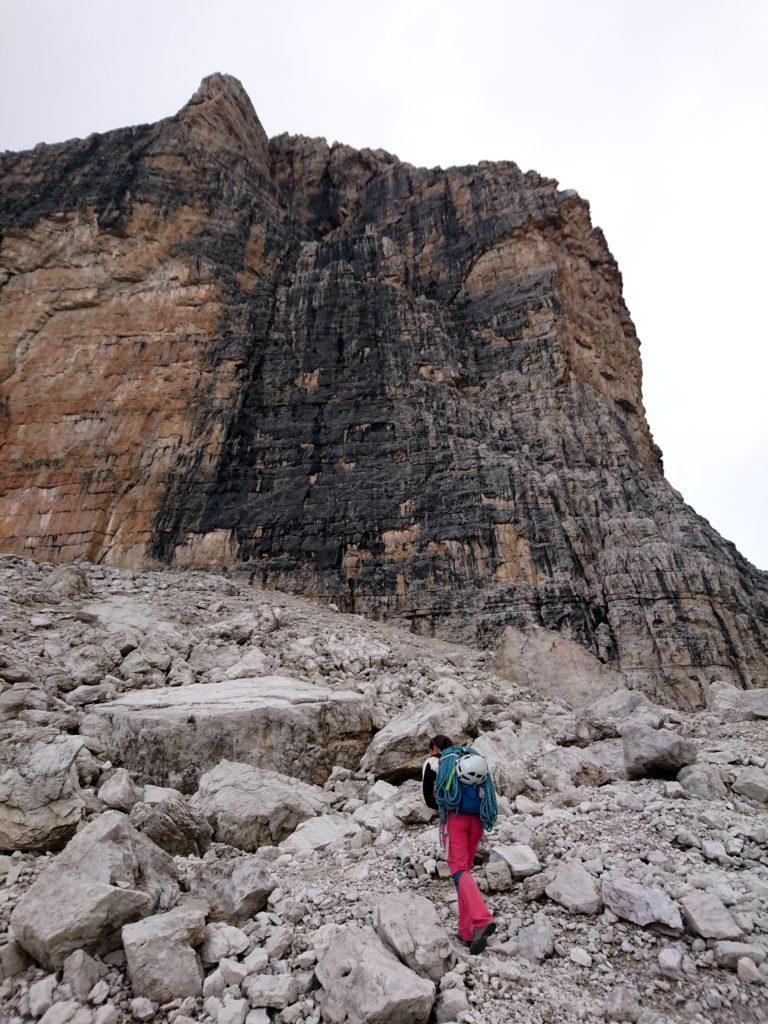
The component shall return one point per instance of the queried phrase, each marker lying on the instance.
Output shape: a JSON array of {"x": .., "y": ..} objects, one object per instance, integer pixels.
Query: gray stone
[
  {"x": 574, "y": 888},
  {"x": 553, "y": 666},
  {"x": 162, "y": 964},
  {"x": 753, "y": 784},
  {"x": 275, "y": 991},
  {"x": 706, "y": 915},
  {"x": 175, "y": 826},
  {"x": 81, "y": 972},
  {"x": 728, "y": 953},
  {"x": 108, "y": 875},
  {"x": 250, "y": 807},
  {"x": 41, "y": 803},
  {"x": 409, "y": 924},
  {"x": 119, "y": 791},
  {"x": 364, "y": 983},
  {"x": 317, "y": 833},
  {"x": 235, "y": 889},
  {"x": 536, "y": 941},
  {"x": 659, "y": 753},
  {"x": 41, "y": 995},
  {"x": 521, "y": 859},
  {"x": 639, "y": 903},
  {"x": 222, "y": 940},
  {"x": 176, "y": 734},
  {"x": 704, "y": 781},
  {"x": 400, "y": 746}
]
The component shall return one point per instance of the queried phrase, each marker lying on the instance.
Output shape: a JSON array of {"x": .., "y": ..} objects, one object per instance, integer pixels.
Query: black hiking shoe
[{"x": 480, "y": 937}]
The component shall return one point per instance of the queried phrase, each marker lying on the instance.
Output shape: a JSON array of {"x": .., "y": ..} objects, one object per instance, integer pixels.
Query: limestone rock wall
[{"x": 414, "y": 392}]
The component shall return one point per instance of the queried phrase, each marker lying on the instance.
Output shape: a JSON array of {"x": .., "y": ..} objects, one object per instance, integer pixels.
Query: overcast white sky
[{"x": 654, "y": 110}]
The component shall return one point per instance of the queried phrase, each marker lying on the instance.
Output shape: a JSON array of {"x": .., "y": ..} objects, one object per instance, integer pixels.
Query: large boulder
[
  {"x": 410, "y": 925},
  {"x": 706, "y": 915},
  {"x": 502, "y": 749},
  {"x": 608, "y": 717},
  {"x": 40, "y": 799},
  {"x": 235, "y": 889},
  {"x": 173, "y": 735},
  {"x": 364, "y": 983},
  {"x": 734, "y": 705},
  {"x": 317, "y": 833},
  {"x": 554, "y": 667},
  {"x": 161, "y": 961},
  {"x": 640, "y": 904},
  {"x": 752, "y": 783},
  {"x": 659, "y": 753},
  {"x": 108, "y": 875},
  {"x": 401, "y": 746},
  {"x": 251, "y": 807},
  {"x": 175, "y": 826}
]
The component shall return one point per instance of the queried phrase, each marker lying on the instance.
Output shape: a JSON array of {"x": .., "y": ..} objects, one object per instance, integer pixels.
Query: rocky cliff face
[{"x": 414, "y": 392}]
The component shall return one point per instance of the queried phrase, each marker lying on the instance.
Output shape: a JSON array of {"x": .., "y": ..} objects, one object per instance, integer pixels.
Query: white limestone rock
[
  {"x": 410, "y": 925},
  {"x": 641, "y": 904},
  {"x": 364, "y": 983},
  {"x": 160, "y": 958},
  {"x": 108, "y": 875},
  {"x": 251, "y": 807}
]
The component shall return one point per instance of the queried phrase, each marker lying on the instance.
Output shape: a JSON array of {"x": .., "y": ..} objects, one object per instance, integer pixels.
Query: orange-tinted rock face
[{"x": 416, "y": 392}]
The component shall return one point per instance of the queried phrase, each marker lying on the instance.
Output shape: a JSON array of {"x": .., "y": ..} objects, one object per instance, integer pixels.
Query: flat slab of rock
[
  {"x": 249, "y": 807},
  {"x": 522, "y": 860},
  {"x": 706, "y": 915},
  {"x": 640, "y": 903},
  {"x": 108, "y": 875},
  {"x": 753, "y": 784},
  {"x": 162, "y": 964},
  {"x": 172, "y": 735},
  {"x": 40, "y": 799},
  {"x": 409, "y": 924},
  {"x": 317, "y": 833},
  {"x": 574, "y": 888},
  {"x": 362, "y": 981}
]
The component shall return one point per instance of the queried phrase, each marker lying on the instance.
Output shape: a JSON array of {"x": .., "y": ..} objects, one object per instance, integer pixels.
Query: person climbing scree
[{"x": 466, "y": 800}]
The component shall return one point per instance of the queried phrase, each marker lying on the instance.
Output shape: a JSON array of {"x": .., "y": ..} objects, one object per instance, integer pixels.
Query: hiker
[
  {"x": 429, "y": 771},
  {"x": 466, "y": 800}
]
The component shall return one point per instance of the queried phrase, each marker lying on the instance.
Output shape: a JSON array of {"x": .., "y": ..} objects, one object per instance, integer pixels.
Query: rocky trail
[{"x": 209, "y": 811}]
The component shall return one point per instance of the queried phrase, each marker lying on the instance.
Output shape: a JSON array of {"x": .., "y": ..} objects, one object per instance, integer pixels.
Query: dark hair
[{"x": 441, "y": 742}]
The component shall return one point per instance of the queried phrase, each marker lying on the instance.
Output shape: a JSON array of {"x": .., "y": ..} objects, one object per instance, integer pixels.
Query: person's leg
[
  {"x": 481, "y": 915},
  {"x": 458, "y": 865}
]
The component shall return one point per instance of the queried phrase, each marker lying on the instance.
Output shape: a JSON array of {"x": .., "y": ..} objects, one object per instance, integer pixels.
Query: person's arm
[{"x": 428, "y": 779}]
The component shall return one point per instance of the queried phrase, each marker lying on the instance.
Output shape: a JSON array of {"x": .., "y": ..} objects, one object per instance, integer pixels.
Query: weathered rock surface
[
  {"x": 414, "y": 391},
  {"x": 401, "y": 745},
  {"x": 554, "y": 666},
  {"x": 657, "y": 752},
  {"x": 107, "y": 876},
  {"x": 162, "y": 964},
  {"x": 249, "y": 807},
  {"x": 235, "y": 890},
  {"x": 173, "y": 825},
  {"x": 175, "y": 734},
  {"x": 639, "y": 903},
  {"x": 40, "y": 800},
  {"x": 409, "y": 924},
  {"x": 364, "y": 983}
]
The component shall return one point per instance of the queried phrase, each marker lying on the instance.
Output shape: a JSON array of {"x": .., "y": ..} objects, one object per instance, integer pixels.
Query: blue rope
[{"x": 448, "y": 788}]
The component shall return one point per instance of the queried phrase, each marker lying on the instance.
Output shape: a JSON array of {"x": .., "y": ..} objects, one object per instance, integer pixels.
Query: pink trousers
[{"x": 464, "y": 833}]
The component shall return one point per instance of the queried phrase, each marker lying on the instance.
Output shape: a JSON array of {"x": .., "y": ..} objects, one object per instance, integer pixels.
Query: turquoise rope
[{"x": 448, "y": 788}]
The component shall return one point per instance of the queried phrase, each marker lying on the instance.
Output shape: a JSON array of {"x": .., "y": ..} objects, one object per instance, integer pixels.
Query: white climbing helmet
[{"x": 472, "y": 768}]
